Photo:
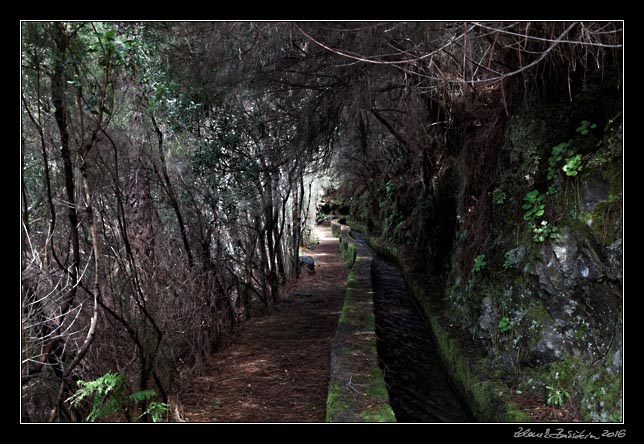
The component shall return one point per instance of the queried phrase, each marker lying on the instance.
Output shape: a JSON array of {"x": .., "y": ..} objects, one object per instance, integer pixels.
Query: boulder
[
  {"x": 567, "y": 264},
  {"x": 489, "y": 319},
  {"x": 308, "y": 262}
]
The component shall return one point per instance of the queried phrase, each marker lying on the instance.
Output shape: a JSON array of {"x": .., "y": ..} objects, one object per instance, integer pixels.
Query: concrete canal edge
[{"x": 357, "y": 390}]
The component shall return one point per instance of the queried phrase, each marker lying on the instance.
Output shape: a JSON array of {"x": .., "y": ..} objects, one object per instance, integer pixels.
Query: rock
[
  {"x": 595, "y": 189},
  {"x": 614, "y": 260},
  {"x": 567, "y": 264},
  {"x": 489, "y": 319},
  {"x": 308, "y": 262},
  {"x": 616, "y": 364},
  {"x": 549, "y": 347},
  {"x": 515, "y": 256}
]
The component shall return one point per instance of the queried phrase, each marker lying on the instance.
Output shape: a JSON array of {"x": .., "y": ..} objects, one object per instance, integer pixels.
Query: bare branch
[{"x": 542, "y": 39}]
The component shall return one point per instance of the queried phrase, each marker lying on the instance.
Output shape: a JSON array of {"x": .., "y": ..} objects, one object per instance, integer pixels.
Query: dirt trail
[{"x": 277, "y": 368}]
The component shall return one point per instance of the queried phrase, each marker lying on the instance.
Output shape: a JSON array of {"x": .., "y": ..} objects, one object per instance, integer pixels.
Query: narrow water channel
[{"x": 419, "y": 388}]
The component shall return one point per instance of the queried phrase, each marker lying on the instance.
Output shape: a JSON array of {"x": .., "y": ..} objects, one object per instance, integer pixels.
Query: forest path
[{"x": 277, "y": 367}]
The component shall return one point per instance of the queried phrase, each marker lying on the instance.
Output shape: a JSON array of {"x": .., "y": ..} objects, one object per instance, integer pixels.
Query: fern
[
  {"x": 156, "y": 411},
  {"x": 109, "y": 398},
  {"x": 142, "y": 395}
]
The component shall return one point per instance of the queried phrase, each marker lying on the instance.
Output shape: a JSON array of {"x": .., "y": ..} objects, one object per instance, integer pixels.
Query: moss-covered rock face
[{"x": 541, "y": 302}]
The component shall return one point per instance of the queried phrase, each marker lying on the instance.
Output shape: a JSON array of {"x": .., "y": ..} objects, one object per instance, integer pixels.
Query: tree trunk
[
  {"x": 61, "y": 116},
  {"x": 297, "y": 221},
  {"x": 172, "y": 196},
  {"x": 270, "y": 241}
]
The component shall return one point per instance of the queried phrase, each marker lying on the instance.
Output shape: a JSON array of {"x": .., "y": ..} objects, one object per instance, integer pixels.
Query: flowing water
[{"x": 419, "y": 388}]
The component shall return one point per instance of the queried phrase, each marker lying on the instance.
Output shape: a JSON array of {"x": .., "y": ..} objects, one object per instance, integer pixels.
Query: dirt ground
[{"x": 277, "y": 368}]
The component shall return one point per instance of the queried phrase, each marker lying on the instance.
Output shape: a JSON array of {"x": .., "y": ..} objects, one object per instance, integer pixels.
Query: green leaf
[
  {"x": 142, "y": 395},
  {"x": 156, "y": 411},
  {"x": 504, "y": 324}
]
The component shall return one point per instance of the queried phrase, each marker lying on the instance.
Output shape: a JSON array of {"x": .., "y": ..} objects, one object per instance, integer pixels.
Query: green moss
[
  {"x": 334, "y": 402},
  {"x": 378, "y": 388},
  {"x": 370, "y": 322},
  {"x": 373, "y": 344},
  {"x": 605, "y": 221},
  {"x": 601, "y": 395},
  {"x": 535, "y": 319},
  {"x": 613, "y": 174},
  {"x": 347, "y": 251},
  {"x": 378, "y": 413},
  {"x": 349, "y": 303},
  {"x": 513, "y": 414},
  {"x": 596, "y": 390},
  {"x": 347, "y": 308},
  {"x": 604, "y": 218},
  {"x": 564, "y": 372},
  {"x": 581, "y": 330},
  {"x": 355, "y": 226},
  {"x": 608, "y": 160}
]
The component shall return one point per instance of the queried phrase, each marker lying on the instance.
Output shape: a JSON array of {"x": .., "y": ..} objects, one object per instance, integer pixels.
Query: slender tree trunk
[
  {"x": 141, "y": 238},
  {"x": 305, "y": 209},
  {"x": 23, "y": 192},
  {"x": 61, "y": 116},
  {"x": 297, "y": 220},
  {"x": 264, "y": 269},
  {"x": 276, "y": 234},
  {"x": 280, "y": 241},
  {"x": 172, "y": 196},
  {"x": 269, "y": 228}
]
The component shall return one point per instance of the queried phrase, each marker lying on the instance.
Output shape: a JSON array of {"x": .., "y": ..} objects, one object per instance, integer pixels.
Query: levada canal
[{"x": 419, "y": 387}]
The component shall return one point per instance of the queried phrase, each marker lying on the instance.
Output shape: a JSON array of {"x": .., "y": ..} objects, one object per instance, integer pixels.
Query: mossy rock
[
  {"x": 378, "y": 413},
  {"x": 595, "y": 389}
]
